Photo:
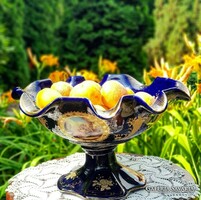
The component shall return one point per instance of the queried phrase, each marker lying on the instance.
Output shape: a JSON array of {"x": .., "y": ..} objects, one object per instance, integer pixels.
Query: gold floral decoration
[{"x": 104, "y": 184}]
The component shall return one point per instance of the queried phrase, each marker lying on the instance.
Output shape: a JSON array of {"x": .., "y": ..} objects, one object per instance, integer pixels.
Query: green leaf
[
  {"x": 176, "y": 115},
  {"x": 184, "y": 143},
  {"x": 183, "y": 162},
  {"x": 196, "y": 136},
  {"x": 120, "y": 148},
  {"x": 171, "y": 130},
  {"x": 36, "y": 160},
  {"x": 166, "y": 146}
]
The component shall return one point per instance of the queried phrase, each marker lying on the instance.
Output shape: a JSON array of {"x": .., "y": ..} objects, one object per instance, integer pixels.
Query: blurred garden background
[{"x": 57, "y": 39}]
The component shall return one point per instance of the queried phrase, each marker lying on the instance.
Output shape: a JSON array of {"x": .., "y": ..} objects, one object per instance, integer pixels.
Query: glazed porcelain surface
[
  {"x": 77, "y": 120},
  {"x": 98, "y": 132}
]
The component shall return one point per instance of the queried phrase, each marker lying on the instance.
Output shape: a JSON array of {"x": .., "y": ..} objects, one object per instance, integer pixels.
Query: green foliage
[
  {"x": 113, "y": 29},
  {"x": 78, "y": 32},
  {"x": 17, "y": 71},
  {"x": 173, "y": 19},
  {"x": 22, "y": 147},
  {"x": 42, "y": 18},
  {"x": 5, "y": 50},
  {"x": 176, "y": 137}
]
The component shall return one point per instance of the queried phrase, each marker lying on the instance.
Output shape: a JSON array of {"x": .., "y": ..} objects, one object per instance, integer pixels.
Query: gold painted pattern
[
  {"x": 103, "y": 184},
  {"x": 71, "y": 175}
]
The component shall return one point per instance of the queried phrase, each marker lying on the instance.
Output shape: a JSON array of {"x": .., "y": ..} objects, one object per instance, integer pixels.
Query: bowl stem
[{"x": 101, "y": 177}]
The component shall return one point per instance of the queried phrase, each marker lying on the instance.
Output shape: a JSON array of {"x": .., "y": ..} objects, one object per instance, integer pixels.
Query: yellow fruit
[
  {"x": 100, "y": 107},
  {"x": 46, "y": 96},
  {"x": 87, "y": 89},
  {"x": 62, "y": 87},
  {"x": 111, "y": 92},
  {"x": 149, "y": 99},
  {"x": 129, "y": 91}
]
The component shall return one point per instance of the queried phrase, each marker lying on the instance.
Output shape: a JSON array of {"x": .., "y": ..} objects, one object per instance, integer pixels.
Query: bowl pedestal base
[{"x": 101, "y": 177}]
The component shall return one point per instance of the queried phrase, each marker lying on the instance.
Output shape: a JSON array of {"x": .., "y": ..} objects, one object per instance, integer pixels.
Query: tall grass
[
  {"x": 176, "y": 137},
  {"x": 22, "y": 147}
]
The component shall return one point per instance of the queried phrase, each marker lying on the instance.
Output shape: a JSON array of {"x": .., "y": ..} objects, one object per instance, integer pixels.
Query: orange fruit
[
  {"x": 87, "y": 89},
  {"x": 111, "y": 92},
  {"x": 46, "y": 96},
  {"x": 146, "y": 97},
  {"x": 62, "y": 87}
]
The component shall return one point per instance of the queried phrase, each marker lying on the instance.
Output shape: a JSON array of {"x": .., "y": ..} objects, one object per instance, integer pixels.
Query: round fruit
[
  {"x": 146, "y": 97},
  {"x": 111, "y": 92},
  {"x": 87, "y": 89},
  {"x": 46, "y": 96},
  {"x": 100, "y": 107},
  {"x": 129, "y": 91},
  {"x": 62, "y": 87}
]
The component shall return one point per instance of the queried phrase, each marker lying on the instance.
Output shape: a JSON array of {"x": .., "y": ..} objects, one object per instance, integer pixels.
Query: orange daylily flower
[
  {"x": 58, "y": 76},
  {"x": 49, "y": 60},
  {"x": 106, "y": 65},
  {"x": 7, "y": 96},
  {"x": 155, "y": 72},
  {"x": 160, "y": 69},
  {"x": 195, "y": 62},
  {"x": 181, "y": 73},
  {"x": 88, "y": 75},
  {"x": 109, "y": 66},
  {"x": 199, "y": 88}
]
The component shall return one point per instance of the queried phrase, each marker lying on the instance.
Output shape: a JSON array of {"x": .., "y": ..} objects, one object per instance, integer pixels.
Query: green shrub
[
  {"x": 173, "y": 19},
  {"x": 112, "y": 29},
  {"x": 16, "y": 70}
]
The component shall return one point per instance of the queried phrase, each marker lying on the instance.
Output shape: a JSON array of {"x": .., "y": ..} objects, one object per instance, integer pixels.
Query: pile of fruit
[{"x": 102, "y": 97}]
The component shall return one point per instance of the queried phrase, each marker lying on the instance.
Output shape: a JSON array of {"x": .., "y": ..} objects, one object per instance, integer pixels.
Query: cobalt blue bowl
[{"x": 98, "y": 132}]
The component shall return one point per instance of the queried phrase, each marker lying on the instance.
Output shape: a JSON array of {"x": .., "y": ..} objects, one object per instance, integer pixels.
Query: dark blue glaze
[{"x": 98, "y": 132}]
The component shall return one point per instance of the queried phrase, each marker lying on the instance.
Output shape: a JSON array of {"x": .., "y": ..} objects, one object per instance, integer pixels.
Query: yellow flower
[
  {"x": 195, "y": 62},
  {"x": 88, "y": 75},
  {"x": 155, "y": 72},
  {"x": 184, "y": 74},
  {"x": 160, "y": 69},
  {"x": 106, "y": 66},
  {"x": 58, "y": 76},
  {"x": 49, "y": 60},
  {"x": 6, "y": 96},
  {"x": 199, "y": 88}
]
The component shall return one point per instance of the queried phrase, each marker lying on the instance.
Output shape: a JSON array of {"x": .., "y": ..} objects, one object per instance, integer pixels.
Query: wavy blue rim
[{"x": 160, "y": 88}]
